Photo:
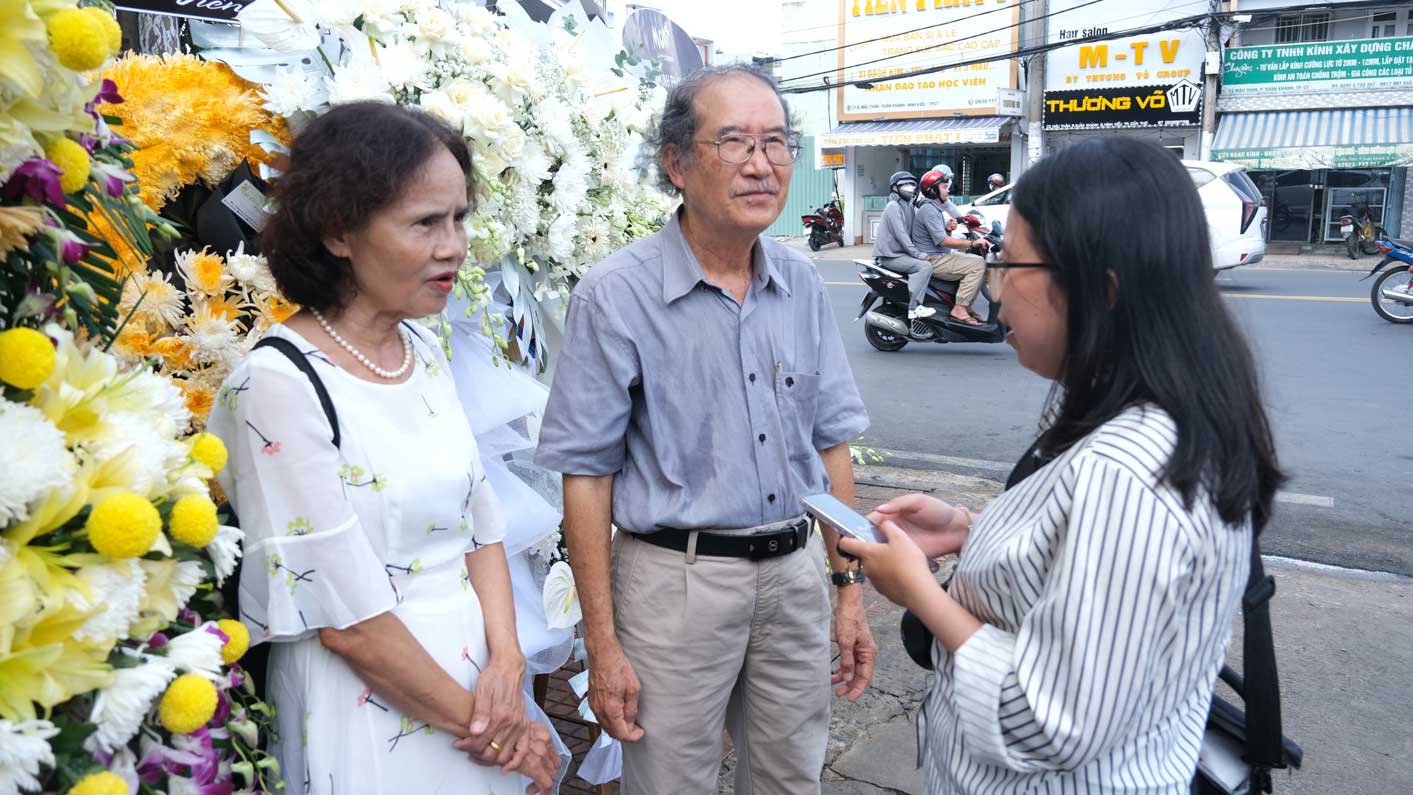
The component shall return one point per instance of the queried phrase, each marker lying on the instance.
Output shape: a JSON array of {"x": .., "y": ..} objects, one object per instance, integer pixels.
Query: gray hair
[{"x": 676, "y": 126}]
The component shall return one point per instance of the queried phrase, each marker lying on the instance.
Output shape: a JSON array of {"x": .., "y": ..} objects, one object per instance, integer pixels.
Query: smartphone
[{"x": 828, "y": 509}]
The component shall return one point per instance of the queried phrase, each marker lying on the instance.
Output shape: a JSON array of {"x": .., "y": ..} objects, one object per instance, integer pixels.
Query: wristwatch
[{"x": 843, "y": 579}]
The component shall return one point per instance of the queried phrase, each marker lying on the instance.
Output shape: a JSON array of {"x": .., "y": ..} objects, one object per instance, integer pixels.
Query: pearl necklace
[{"x": 390, "y": 375}]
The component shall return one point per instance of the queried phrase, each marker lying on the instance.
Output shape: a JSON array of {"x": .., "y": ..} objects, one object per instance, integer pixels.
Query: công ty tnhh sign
[{"x": 1317, "y": 67}]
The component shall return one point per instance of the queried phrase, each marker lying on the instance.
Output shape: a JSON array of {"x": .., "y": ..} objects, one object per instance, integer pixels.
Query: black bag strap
[
  {"x": 292, "y": 352},
  {"x": 1260, "y": 690}
]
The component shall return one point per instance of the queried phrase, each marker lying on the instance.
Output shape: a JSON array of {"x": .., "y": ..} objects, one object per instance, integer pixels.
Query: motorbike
[
  {"x": 1361, "y": 233},
  {"x": 1392, "y": 294},
  {"x": 825, "y": 225},
  {"x": 888, "y": 329}
]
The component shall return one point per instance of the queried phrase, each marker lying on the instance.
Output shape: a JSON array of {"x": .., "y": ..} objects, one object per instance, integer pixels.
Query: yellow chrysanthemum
[
  {"x": 175, "y": 352},
  {"x": 73, "y": 162},
  {"x": 199, "y": 399},
  {"x": 124, "y": 525},
  {"x": 188, "y": 704},
  {"x": 129, "y": 260},
  {"x": 194, "y": 520},
  {"x": 110, "y": 27},
  {"x": 105, "y": 783},
  {"x": 209, "y": 450},
  {"x": 190, "y": 120},
  {"x": 135, "y": 341},
  {"x": 204, "y": 271},
  {"x": 239, "y": 642},
  {"x": 78, "y": 39},
  {"x": 26, "y": 358},
  {"x": 17, "y": 225}
]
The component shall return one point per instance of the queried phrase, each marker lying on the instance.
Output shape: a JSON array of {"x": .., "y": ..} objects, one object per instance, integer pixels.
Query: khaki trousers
[
  {"x": 969, "y": 269},
  {"x": 724, "y": 642}
]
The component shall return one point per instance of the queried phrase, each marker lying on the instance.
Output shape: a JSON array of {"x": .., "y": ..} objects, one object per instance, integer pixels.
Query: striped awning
[
  {"x": 1311, "y": 139},
  {"x": 916, "y": 132}
]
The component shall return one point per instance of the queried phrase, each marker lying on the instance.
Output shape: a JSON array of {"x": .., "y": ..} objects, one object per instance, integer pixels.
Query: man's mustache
[{"x": 758, "y": 186}]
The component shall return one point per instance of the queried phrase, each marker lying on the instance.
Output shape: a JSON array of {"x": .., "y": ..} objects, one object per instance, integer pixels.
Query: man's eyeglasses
[{"x": 738, "y": 148}]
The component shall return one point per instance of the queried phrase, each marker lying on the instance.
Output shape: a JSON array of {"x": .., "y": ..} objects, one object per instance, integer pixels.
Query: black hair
[
  {"x": 345, "y": 166},
  {"x": 1126, "y": 207}
]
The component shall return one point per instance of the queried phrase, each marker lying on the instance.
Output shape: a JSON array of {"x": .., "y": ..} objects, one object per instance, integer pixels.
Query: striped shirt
[{"x": 1106, "y": 607}]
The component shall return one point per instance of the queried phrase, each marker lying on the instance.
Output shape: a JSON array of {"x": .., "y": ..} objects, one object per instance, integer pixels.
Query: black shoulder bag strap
[
  {"x": 292, "y": 352},
  {"x": 1260, "y": 690}
]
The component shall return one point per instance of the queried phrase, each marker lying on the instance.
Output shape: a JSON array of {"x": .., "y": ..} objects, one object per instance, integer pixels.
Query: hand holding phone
[{"x": 829, "y": 510}]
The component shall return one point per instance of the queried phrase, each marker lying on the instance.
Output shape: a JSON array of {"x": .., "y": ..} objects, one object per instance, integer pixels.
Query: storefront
[
  {"x": 1315, "y": 165},
  {"x": 957, "y": 116},
  {"x": 1144, "y": 86}
]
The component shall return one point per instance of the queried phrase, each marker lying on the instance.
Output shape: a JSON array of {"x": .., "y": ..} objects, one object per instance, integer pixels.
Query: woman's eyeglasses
[{"x": 994, "y": 280}]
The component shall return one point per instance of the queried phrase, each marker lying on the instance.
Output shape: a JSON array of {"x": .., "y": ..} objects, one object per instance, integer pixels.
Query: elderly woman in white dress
[{"x": 373, "y": 561}]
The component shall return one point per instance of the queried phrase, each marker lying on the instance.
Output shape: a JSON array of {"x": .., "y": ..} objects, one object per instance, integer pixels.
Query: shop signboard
[
  {"x": 879, "y": 39},
  {"x": 1152, "y": 80},
  {"x": 974, "y": 135},
  {"x": 210, "y": 10},
  {"x": 1316, "y": 157},
  {"x": 1318, "y": 67}
]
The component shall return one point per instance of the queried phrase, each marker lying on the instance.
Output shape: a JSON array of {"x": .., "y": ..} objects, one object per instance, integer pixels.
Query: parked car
[{"x": 1236, "y": 215}]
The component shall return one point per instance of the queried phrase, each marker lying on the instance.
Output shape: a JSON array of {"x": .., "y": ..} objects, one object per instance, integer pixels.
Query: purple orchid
[
  {"x": 113, "y": 178},
  {"x": 39, "y": 179},
  {"x": 157, "y": 641},
  {"x": 107, "y": 93}
]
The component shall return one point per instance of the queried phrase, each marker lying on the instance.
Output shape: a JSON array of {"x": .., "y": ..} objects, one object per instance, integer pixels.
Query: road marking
[
  {"x": 1289, "y": 497},
  {"x": 1260, "y": 296},
  {"x": 1337, "y": 571},
  {"x": 1330, "y": 298}
]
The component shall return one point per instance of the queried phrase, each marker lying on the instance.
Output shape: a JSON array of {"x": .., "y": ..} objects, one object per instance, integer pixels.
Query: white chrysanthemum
[
  {"x": 292, "y": 90},
  {"x": 380, "y": 17},
  {"x": 116, "y": 588},
  {"x": 475, "y": 19},
  {"x": 24, "y": 749},
  {"x": 251, "y": 270},
  {"x": 147, "y": 392},
  {"x": 402, "y": 65},
  {"x": 121, "y": 707},
  {"x": 359, "y": 80},
  {"x": 152, "y": 295},
  {"x": 213, "y": 336},
  {"x": 225, "y": 551},
  {"x": 561, "y": 237},
  {"x": 196, "y": 652},
  {"x": 434, "y": 26},
  {"x": 571, "y": 185},
  {"x": 33, "y": 459},
  {"x": 556, "y": 122},
  {"x": 146, "y": 444}
]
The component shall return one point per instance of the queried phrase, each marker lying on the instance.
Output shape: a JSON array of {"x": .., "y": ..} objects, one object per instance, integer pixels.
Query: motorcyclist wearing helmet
[
  {"x": 931, "y": 234},
  {"x": 995, "y": 182},
  {"x": 893, "y": 245}
]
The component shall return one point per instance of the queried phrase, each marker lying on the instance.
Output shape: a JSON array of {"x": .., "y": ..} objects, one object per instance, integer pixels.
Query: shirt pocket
[{"x": 798, "y": 401}]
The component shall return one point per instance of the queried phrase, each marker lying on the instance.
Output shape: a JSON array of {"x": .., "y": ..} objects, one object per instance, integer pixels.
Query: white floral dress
[{"x": 338, "y": 535}]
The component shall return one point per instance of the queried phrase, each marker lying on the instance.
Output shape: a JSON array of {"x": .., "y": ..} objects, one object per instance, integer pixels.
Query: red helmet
[{"x": 931, "y": 184}]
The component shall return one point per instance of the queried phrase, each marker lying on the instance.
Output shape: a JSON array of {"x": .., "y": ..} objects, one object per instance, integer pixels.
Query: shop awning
[
  {"x": 916, "y": 132},
  {"x": 1310, "y": 139}
]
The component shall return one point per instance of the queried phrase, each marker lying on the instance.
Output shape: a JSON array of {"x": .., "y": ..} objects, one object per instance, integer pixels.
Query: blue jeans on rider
[{"x": 918, "y": 271}]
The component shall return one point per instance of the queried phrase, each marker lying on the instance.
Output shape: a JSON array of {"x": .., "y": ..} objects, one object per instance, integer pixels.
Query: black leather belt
[{"x": 753, "y": 547}]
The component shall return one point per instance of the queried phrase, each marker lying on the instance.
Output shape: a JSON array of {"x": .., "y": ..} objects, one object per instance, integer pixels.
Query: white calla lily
[{"x": 561, "y": 598}]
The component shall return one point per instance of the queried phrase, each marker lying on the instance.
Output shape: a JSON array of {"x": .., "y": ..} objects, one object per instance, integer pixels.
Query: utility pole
[
  {"x": 1212, "y": 66},
  {"x": 1035, "y": 84}
]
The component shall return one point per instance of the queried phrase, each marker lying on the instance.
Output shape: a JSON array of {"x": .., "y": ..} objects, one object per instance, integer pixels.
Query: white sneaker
[{"x": 921, "y": 312}]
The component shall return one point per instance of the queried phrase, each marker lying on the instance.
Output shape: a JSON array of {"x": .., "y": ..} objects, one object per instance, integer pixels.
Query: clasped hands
[{"x": 501, "y": 734}]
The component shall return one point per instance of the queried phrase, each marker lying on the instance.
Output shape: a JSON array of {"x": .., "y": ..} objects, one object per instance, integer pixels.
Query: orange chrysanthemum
[
  {"x": 191, "y": 119},
  {"x": 129, "y": 260},
  {"x": 175, "y": 352},
  {"x": 198, "y": 397},
  {"x": 135, "y": 341}
]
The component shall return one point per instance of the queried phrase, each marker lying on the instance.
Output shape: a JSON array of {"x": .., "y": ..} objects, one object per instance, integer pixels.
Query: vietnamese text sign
[
  {"x": 1315, "y": 157},
  {"x": 916, "y": 34},
  {"x": 213, "y": 10},
  {"x": 972, "y": 135},
  {"x": 1318, "y": 66},
  {"x": 1151, "y": 59},
  {"x": 1127, "y": 106}
]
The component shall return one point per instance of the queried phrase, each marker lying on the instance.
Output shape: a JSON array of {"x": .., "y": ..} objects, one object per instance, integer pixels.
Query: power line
[
  {"x": 947, "y": 43},
  {"x": 1184, "y": 22},
  {"x": 901, "y": 33}
]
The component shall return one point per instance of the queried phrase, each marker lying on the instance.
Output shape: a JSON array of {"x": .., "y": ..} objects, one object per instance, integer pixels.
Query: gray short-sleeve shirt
[{"x": 709, "y": 413}]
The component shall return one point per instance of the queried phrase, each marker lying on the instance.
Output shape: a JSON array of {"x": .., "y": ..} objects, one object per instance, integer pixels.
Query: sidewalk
[
  {"x": 1344, "y": 644},
  {"x": 1324, "y": 258}
]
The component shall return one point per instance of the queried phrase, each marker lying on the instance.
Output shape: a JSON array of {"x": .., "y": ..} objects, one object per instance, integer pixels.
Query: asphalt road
[{"x": 1339, "y": 389}]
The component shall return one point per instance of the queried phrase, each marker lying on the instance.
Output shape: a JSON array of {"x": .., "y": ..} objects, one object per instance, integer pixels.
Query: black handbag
[{"x": 1239, "y": 749}]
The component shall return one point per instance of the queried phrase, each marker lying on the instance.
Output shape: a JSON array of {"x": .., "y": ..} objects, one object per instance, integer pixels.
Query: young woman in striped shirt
[{"x": 1080, "y": 637}]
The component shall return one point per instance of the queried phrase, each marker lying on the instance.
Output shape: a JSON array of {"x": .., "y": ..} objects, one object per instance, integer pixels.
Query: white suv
[{"x": 1236, "y": 216}]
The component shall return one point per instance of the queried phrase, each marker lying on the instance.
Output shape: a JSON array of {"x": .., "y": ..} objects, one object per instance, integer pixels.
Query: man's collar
[{"x": 681, "y": 272}]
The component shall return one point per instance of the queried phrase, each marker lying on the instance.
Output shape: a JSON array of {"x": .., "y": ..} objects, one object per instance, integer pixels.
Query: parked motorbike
[
  {"x": 1360, "y": 231},
  {"x": 825, "y": 225},
  {"x": 1392, "y": 294},
  {"x": 888, "y": 329}
]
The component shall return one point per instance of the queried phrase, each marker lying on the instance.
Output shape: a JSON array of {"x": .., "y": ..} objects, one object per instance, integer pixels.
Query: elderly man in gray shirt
[{"x": 701, "y": 393}]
